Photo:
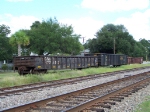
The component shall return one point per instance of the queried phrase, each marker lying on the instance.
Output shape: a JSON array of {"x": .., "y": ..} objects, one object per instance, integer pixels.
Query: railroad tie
[
  {"x": 97, "y": 110},
  {"x": 102, "y": 105},
  {"x": 119, "y": 97},
  {"x": 109, "y": 102},
  {"x": 125, "y": 94},
  {"x": 59, "y": 105},
  {"x": 115, "y": 99},
  {"x": 46, "y": 110}
]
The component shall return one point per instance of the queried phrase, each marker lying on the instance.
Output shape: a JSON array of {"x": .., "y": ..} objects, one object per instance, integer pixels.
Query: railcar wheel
[
  {"x": 45, "y": 71},
  {"x": 21, "y": 72}
]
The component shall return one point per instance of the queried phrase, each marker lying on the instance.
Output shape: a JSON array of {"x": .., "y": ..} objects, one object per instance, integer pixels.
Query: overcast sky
[{"x": 86, "y": 16}]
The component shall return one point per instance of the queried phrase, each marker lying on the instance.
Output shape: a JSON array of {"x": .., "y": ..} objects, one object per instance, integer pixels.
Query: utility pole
[
  {"x": 83, "y": 43},
  {"x": 83, "y": 39},
  {"x": 114, "y": 45},
  {"x": 146, "y": 55},
  {"x": 114, "y": 40}
]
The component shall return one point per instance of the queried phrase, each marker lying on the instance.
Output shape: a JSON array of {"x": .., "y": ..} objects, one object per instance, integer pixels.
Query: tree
[
  {"x": 139, "y": 50},
  {"x": 25, "y": 50},
  {"x": 71, "y": 45},
  {"x": 6, "y": 51},
  {"x": 112, "y": 39},
  {"x": 36, "y": 24},
  {"x": 146, "y": 44},
  {"x": 44, "y": 37},
  {"x": 116, "y": 39},
  {"x": 4, "y": 30},
  {"x": 19, "y": 38},
  {"x": 50, "y": 37}
]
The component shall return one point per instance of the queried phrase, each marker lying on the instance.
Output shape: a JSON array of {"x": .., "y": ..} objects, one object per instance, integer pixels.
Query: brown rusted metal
[{"x": 135, "y": 60}]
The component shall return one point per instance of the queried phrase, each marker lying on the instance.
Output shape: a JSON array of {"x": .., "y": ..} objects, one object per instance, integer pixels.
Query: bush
[{"x": 4, "y": 67}]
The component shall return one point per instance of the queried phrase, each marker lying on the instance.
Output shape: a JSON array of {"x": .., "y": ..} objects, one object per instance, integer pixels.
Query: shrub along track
[
  {"x": 16, "y": 89},
  {"x": 94, "y": 98}
]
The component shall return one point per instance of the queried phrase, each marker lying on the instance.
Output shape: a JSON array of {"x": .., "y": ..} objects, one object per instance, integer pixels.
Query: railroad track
[
  {"x": 25, "y": 88},
  {"x": 95, "y": 98}
]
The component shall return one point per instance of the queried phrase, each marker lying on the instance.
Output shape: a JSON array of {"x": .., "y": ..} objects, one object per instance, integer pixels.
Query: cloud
[
  {"x": 86, "y": 26},
  {"x": 19, "y": 0},
  {"x": 138, "y": 24},
  {"x": 17, "y": 22},
  {"x": 115, "y": 5}
]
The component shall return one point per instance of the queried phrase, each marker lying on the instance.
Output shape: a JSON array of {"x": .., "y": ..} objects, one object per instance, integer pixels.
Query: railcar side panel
[{"x": 134, "y": 60}]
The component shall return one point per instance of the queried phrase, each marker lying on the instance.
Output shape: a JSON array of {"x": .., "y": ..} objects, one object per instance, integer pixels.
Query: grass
[
  {"x": 145, "y": 106},
  {"x": 9, "y": 79}
]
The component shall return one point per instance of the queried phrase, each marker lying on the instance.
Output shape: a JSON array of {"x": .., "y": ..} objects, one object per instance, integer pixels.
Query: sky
[{"x": 85, "y": 16}]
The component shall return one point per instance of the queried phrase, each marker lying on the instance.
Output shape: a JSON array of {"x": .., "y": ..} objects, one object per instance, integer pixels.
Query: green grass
[
  {"x": 145, "y": 106},
  {"x": 9, "y": 79}
]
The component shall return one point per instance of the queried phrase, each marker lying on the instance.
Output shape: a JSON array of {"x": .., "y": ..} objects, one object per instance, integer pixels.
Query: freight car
[
  {"x": 40, "y": 64},
  {"x": 135, "y": 60},
  {"x": 110, "y": 59}
]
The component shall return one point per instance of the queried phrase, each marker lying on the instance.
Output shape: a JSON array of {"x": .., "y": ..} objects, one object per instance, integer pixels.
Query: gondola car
[
  {"x": 40, "y": 64},
  {"x": 105, "y": 59},
  {"x": 135, "y": 60}
]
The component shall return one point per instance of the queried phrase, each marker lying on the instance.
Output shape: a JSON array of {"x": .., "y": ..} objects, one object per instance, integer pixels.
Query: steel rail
[{"x": 88, "y": 105}]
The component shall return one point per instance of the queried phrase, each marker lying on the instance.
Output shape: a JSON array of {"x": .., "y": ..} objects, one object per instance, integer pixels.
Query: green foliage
[
  {"x": 146, "y": 45},
  {"x": 19, "y": 38},
  {"x": 116, "y": 37},
  {"x": 50, "y": 37},
  {"x": 6, "y": 50},
  {"x": 139, "y": 50},
  {"x": 4, "y": 67},
  {"x": 4, "y": 30}
]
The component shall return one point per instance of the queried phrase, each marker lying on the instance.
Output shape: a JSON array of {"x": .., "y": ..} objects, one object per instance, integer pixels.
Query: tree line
[
  {"x": 50, "y": 37},
  {"x": 116, "y": 39}
]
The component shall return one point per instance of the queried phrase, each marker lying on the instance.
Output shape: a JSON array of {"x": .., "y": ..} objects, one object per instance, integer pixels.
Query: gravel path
[{"x": 14, "y": 100}]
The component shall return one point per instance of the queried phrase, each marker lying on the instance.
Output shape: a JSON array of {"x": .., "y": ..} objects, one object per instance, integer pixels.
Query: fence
[{"x": 8, "y": 63}]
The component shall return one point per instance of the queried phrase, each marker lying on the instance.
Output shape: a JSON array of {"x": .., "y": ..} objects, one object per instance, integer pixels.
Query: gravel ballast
[{"x": 131, "y": 103}]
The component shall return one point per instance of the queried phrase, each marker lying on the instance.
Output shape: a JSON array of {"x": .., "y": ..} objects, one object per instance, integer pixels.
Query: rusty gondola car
[
  {"x": 40, "y": 64},
  {"x": 135, "y": 60}
]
